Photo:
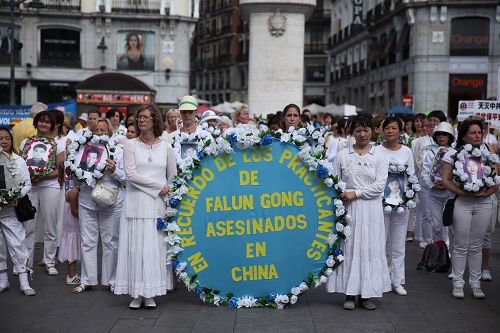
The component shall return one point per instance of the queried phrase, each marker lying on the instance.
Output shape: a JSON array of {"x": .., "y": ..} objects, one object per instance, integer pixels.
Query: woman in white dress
[
  {"x": 364, "y": 271},
  {"x": 396, "y": 224},
  {"x": 149, "y": 167}
]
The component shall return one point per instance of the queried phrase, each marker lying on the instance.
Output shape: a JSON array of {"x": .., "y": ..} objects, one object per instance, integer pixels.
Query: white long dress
[
  {"x": 364, "y": 270},
  {"x": 142, "y": 265}
]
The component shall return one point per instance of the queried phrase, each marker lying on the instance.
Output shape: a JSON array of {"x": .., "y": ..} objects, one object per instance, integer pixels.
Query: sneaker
[
  {"x": 149, "y": 303},
  {"x": 367, "y": 304},
  {"x": 400, "y": 290},
  {"x": 349, "y": 303},
  {"x": 28, "y": 291},
  {"x": 458, "y": 292},
  {"x": 5, "y": 288},
  {"x": 422, "y": 245},
  {"x": 486, "y": 275},
  {"x": 52, "y": 271},
  {"x": 75, "y": 280},
  {"x": 136, "y": 303},
  {"x": 478, "y": 293}
]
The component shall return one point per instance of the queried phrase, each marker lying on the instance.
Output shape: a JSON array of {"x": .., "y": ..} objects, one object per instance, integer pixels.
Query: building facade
[
  {"x": 61, "y": 44},
  {"x": 433, "y": 52}
]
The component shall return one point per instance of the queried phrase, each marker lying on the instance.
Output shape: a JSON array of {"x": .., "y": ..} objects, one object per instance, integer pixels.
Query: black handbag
[
  {"x": 448, "y": 212},
  {"x": 25, "y": 210}
]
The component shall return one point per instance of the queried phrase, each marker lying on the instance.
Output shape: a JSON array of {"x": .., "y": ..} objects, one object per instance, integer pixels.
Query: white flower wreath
[
  {"x": 10, "y": 196},
  {"x": 412, "y": 187},
  {"x": 245, "y": 139},
  {"x": 459, "y": 155},
  {"x": 87, "y": 137}
]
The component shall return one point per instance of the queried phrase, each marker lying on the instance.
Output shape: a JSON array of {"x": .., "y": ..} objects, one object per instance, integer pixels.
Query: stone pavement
[{"x": 428, "y": 307}]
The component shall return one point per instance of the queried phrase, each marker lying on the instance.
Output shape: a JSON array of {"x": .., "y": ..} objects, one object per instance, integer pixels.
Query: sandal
[{"x": 81, "y": 288}]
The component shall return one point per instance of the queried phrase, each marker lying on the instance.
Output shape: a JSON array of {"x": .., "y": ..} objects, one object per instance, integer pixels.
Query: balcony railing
[
  {"x": 61, "y": 4},
  {"x": 316, "y": 48},
  {"x": 136, "y": 6}
]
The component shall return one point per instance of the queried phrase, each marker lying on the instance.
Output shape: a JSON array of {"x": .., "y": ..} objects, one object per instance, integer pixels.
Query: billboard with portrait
[
  {"x": 5, "y": 46},
  {"x": 135, "y": 50}
]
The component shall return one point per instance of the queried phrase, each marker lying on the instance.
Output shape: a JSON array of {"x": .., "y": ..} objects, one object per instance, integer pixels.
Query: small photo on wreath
[
  {"x": 188, "y": 149},
  {"x": 91, "y": 156},
  {"x": 473, "y": 168},
  {"x": 394, "y": 189},
  {"x": 38, "y": 155}
]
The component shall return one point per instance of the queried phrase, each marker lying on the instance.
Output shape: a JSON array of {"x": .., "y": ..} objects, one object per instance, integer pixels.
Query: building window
[
  {"x": 315, "y": 73},
  {"x": 404, "y": 85},
  {"x": 60, "y": 47},
  {"x": 470, "y": 36}
]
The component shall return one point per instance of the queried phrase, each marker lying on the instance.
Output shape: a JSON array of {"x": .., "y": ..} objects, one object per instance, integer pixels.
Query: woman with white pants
[
  {"x": 432, "y": 176},
  {"x": 100, "y": 221},
  {"x": 396, "y": 223},
  {"x": 471, "y": 216},
  {"x": 12, "y": 234},
  {"x": 45, "y": 196}
]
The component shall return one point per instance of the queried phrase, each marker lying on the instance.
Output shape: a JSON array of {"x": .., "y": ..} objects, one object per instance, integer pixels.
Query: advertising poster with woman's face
[
  {"x": 135, "y": 50},
  {"x": 473, "y": 168},
  {"x": 394, "y": 189}
]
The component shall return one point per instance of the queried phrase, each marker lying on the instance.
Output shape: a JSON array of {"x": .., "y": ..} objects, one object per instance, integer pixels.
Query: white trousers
[
  {"x": 46, "y": 202},
  {"x": 424, "y": 216},
  {"x": 471, "y": 221},
  {"x": 13, "y": 239},
  {"x": 395, "y": 233},
  {"x": 106, "y": 223},
  {"x": 437, "y": 200}
]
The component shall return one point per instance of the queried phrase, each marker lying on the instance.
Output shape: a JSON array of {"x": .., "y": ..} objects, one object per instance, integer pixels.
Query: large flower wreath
[
  {"x": 49, "y": 166},
  {"x": 311, "y": 156},
  {"x": 10, "y": 196},
  {"x": 461, "y": 154},
  {"x": 412, "y": 187},
  {"x": 87, "y": 137}
]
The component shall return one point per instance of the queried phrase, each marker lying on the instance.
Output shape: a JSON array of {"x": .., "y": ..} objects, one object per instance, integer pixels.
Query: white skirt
[
  {"x": 364, "y": 270},
  {"x": 142, "y": 268}
]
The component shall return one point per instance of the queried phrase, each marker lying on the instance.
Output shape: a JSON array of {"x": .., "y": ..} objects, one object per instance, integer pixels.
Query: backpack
[{"x": 435, "y": 257}]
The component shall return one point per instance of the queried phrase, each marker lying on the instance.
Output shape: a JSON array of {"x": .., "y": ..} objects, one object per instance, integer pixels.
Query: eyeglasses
[{"x": 143, "y": 118}]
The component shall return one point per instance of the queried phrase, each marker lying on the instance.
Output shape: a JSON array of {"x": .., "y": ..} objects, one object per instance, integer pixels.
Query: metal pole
[{"x": 12, "y": 84}]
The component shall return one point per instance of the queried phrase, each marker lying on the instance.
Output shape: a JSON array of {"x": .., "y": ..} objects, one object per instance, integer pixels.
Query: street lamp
[{"x": 13, "y": 4}]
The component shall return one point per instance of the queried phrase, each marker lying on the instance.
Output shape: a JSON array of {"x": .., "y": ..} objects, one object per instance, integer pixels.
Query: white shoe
[
  {"x": 52, "y": 271},
  {"x": 29, "y": 291},
  {"x": 458, "y": 292},
  {"x": 136, "y": 303},
  {"x": 5, "y": 288},
  {"x": 422, "y": 245},
  {"x": 400, "y": 290},
  {"x": 478, "y": 293},
  {"x": 149, "y": 303},
  {"x": 486, "y": 275},
  {"x": 75, "y": 280}
]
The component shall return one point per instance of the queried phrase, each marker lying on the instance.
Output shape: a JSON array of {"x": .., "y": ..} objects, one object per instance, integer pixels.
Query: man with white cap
[{"x": 24, "y": 129}]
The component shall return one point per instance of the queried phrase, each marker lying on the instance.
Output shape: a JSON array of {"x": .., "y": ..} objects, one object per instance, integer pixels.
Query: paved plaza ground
[{"x": 429, "y": 307}]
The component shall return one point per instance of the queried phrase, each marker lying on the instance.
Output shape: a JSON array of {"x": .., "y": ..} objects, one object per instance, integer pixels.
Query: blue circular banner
[{"x": 255, "y": 222}]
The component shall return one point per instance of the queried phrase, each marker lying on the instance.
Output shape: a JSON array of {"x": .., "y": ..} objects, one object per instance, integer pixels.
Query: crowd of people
[{"x": 440, "y": 156}]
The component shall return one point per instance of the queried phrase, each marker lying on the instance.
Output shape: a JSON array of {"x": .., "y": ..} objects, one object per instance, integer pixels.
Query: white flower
[
  {"x": 330, "y": 262},
  {"x": 339, "y": 227},
  {"x": 411, "y": 204},
  {"x": 316, "y": 135},
  {"x": 475, "y": 188},
  {"x": 468, "y": 187},
  {"x": 347, "y": 231},
  {"x": 401, "y": 168},
  {"x": 94, "y": 139},
  {"x": 328, "y": 182},
  {"x": 340, "y": 211},
  {"x": 303, "y": 286},
  {"x": 293, "y": 299},
  {"x": 489, "y": 181},
  {"x": 341, "y": 186},
  {"x": 321, "y": 140},
  {"x": 281, "y": 299},
  {"x": 322, "y": 279},
  {"x": 461, "y": 156},
  {"x": 476, "y": 152},
  {"x": 387, "y": 209},
  {"x": 173, "y": 227},
  {"x": 247, "y": 302},
  {"x": 400, "y": 210},
  {"x": 348, "y": 218},
  {"x": 416, "y": 187},
  {"x": 295, "y": 290},
  {"x": 486, "y": 170},
  {"x": 458, "y": 165},
  {"x": 87, "y": 134},
  {"x": 413, "y": 179},
  {"x": 332, "y": 238},
  {"x": 82, "y": 140},
  {"x": 410, "y": 194},
  {"x": 285, "y": 137},
  {"x": 216, "y": 300},
  {"x": 468, "y": 147},
  {"x": 172, "y": 239},
  {"x": 464, "y": 177},
  {"x": 328, "y": 271},
  {"x": 340, "y": 257},
  {"x": 170, "y": 212},
  {"x": 497, "y": 179},
  {"x": 101, "y": 166},
  {"x": 97, "y": 174}
]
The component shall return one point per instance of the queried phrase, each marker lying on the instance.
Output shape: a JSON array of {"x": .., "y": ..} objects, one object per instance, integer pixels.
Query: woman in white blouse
[
  {"x": 396, "y": 224},
  {"x": 97, "y": 221},
  {"x": 12, "y": 231},
  {"x": 149, "y": 167},
  {"x": 364, "y": 271}
]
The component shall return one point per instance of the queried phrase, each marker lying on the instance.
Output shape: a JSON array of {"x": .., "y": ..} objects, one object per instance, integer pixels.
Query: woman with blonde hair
[
  {"x": 241, "y": 117},
  {"x": 172, "y": 118}
]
